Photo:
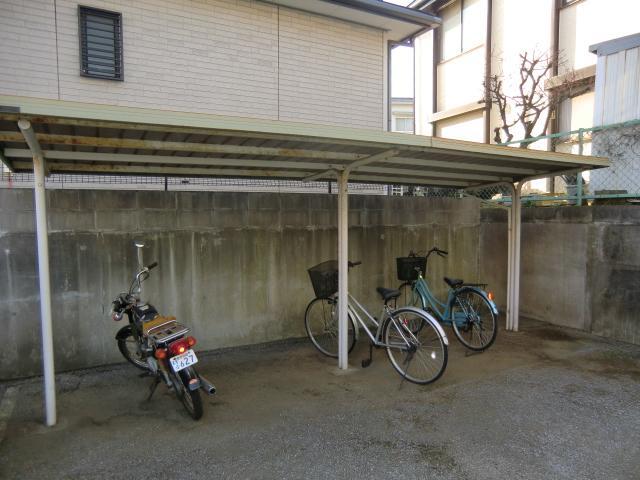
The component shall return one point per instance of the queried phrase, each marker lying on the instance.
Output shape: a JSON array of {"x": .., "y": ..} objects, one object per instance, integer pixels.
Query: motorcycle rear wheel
[{"x": 190, "y": 399}]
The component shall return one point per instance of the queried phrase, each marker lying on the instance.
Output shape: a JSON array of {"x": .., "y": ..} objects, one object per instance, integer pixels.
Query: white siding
[
  {"x": 28, "y": 48},
  {"x": 460, "y": 80},
  {"x": 593, "y": 21},
  {"x": 330, "y": 71},
  {"x": 464, "y": 127},
  {"x": 240, "y": 57},
  {"x": 213, "y": 57},
  {"x": 617, "y": 87}
]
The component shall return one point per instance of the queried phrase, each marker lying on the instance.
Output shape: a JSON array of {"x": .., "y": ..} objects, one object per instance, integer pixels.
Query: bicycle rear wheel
[
  {"x": 416, "y": 347},
  {"x": 473, "y": 319},
  {"x": 321, "y": 323}
]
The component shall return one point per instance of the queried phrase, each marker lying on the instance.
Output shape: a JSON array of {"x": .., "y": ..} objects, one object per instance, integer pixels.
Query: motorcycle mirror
[{"x": 139, "y": 244}]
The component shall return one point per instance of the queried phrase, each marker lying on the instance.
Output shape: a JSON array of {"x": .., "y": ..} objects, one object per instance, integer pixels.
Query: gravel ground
[{"x": 544, "y": 403}]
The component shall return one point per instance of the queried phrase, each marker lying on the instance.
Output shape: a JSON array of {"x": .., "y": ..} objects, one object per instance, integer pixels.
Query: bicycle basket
[
  {"x": 407, "y": 267},
  {"x": 324, "y": 278}
]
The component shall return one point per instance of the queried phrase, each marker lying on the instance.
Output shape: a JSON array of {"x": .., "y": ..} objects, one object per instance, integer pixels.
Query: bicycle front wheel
[
  {"x": 321, "y": 323},
  {"x": 473, "y": 319},
  {"x": 409, "y": 297},
  {"x": 415, "y": 346}
]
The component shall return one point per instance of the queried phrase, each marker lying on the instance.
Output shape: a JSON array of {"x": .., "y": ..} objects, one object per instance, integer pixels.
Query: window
[
  {"x": 404, "y": 124},
  {"x": 100, "y": 43},
  {"x": 463, "y": 27}
]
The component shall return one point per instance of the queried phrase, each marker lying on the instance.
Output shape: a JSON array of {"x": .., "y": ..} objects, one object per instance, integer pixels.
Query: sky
[{"x": 401, "y": 66}]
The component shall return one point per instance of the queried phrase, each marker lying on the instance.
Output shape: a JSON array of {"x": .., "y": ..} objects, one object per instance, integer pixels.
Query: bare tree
[{"x": 532, "y": 104}]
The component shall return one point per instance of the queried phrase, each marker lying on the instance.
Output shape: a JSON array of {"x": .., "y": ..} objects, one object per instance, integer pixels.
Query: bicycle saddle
[
  {"x": 453, "y": 282},
  {"x": 388, "y": 293}
]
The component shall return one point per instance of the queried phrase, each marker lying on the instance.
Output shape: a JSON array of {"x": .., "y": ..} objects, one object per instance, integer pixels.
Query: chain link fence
[
  {"x": 122, "y": 182},
  {"x": 619, "y": 183}
]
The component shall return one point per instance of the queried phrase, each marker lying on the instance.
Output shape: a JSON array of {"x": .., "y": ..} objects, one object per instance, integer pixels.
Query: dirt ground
[{"x": 546, "y": 403}]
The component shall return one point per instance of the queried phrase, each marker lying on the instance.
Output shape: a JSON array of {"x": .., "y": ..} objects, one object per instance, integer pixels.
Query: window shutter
[{"x": 100, "y": 43}]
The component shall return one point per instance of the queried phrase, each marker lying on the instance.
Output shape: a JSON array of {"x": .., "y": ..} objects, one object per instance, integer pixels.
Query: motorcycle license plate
[{"x": 180, "y": 362}]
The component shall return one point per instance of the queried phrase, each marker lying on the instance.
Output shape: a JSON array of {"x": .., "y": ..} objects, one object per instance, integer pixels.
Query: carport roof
[{"x": 100, "y": 139}]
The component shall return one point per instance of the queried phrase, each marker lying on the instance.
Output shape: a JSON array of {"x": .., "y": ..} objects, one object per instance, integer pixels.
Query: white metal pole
[
  {"x": 510, "y": 261},
  {"x": 45, "y": 291},
  {"x": 343, "y": 268},
  {"x": 517, "y": 223}
]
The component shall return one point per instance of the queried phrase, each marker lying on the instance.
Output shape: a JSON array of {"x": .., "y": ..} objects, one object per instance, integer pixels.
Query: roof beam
[
  {"x": 455, "y": 165},
  {"x": 378, "y": 157},
  {"x": 170, "y": 160},
  {"x": 6, "y": 162},
  {"x": 80, "y": 122},
  {"x": 359, "y": 177},
  {"x": 182, "y": 146},
  {"x": 60, "y": 167},
  {"x": 319, "y": 175}
]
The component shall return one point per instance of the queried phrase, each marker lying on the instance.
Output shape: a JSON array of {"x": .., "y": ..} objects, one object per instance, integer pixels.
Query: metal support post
[
  {"x": 513, "y": 262},
  {"x": 343, "y": 268},
  {"x": 45, "y": 292},
  {"x": 579, "y": 184},
  {"x": 510, "y": 260},
  {"x": 513, "y": 274},
  {"x": 517, "y": 223},
  {"x": 43, "y": 272}
]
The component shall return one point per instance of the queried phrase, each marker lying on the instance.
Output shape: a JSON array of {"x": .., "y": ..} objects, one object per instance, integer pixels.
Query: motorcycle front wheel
[
  {"x": 190, "y": 399},
  {"x": 130, "y": 348}
]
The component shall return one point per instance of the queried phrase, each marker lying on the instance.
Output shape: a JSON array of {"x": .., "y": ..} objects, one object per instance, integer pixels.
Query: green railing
[{"x": 624, "y": 161}]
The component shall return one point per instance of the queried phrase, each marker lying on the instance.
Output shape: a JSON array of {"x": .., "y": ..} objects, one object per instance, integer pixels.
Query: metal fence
[
  {"x": 121, "y": 182},
  {"x": 619, "y": 183}
]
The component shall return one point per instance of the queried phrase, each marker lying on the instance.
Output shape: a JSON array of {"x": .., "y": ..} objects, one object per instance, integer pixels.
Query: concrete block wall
[
  {"x": 580, "y": 266},
  {"x": 243, "y": 58},
  {"x": 232, "y": 265}
]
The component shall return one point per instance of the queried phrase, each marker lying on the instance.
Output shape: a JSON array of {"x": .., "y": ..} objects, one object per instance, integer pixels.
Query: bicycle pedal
[{"x": 366, "y": 362}]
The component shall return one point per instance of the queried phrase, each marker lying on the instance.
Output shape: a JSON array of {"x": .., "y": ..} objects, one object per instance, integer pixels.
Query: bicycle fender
[
  {"x": 483, "y": 294},
  {"x": 124, "y": 332},
  {"x": 433, "y": 321}
]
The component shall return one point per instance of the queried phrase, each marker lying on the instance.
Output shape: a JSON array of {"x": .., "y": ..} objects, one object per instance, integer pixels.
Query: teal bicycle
[{"x": 468, "y": 309}]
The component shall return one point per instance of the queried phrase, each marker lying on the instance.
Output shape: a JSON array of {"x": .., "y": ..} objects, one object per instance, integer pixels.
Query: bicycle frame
[
  {"x": 355, "y": 308},
  {"x": 443, "y": 311}
]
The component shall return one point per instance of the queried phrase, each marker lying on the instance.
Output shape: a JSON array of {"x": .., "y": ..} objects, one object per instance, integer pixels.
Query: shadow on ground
[{"x": 542, "y": 403}]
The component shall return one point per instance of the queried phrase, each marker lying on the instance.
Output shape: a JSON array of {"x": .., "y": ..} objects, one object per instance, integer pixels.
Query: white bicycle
[{"x": 416, "y": 344}]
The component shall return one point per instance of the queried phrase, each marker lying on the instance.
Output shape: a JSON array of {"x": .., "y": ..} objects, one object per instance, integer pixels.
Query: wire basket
[
  {"x": 407, "y": 267},
  {"x": 324, "y": 278}
]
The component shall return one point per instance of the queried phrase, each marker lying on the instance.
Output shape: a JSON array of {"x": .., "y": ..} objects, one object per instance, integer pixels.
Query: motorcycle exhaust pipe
[{"x": 206, "y": 385}]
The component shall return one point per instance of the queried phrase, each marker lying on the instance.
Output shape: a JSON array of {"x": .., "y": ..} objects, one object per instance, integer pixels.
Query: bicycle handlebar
[
  {"x": 355, "y": 264},
  {"x": 152, "y": 265}
]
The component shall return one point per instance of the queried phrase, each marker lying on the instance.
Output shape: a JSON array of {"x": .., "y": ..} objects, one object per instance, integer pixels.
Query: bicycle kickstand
[{"x": 367, "y": 361}]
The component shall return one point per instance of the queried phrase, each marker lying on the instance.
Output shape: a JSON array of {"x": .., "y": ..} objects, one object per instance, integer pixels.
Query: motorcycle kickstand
[
  {"x": 367, "y": 361},
  {"x": 152, "y": 389}
]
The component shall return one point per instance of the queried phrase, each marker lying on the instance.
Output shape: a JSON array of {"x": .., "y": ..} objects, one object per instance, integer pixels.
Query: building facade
[
  {"x": 318, "y": 63},
  {"x": 479, "y": 38}
]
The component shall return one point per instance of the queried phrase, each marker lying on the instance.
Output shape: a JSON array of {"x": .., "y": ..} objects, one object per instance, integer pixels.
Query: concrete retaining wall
[
  {"x": 580, "y": 266},
  {"x": 232, "y": 265}
]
